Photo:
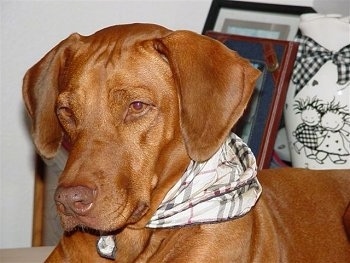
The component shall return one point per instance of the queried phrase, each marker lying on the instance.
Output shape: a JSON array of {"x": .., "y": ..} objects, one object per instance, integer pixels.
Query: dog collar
[{"x": 222, "y": 188}]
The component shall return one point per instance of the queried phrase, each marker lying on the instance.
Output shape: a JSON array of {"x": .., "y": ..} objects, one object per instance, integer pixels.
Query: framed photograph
[
  {"x": 255, "y": 19},
  {"x": 259, "y": 125}
]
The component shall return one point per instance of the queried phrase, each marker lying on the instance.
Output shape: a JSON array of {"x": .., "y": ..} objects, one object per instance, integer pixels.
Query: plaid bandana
[
  {"x": 312, "y": 56},
  {"x": 222, "y": 188}
]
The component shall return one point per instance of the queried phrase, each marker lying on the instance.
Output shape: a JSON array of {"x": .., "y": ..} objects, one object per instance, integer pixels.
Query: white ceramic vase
[{"x": 317, "y": 110}]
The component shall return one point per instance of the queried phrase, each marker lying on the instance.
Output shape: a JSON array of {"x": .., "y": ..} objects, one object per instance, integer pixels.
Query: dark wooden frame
[{"x": 216, "y": 5}]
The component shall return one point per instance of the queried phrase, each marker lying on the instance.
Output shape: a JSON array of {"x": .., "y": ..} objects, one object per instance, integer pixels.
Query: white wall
[{"x": 29, "y": 29}]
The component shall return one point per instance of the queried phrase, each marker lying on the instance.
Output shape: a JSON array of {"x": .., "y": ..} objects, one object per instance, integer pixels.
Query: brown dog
[{"x": 136, "y": 103}]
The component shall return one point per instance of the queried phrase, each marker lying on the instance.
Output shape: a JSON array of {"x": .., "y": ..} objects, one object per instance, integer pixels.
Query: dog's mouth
[{"x": 102, "y": 221}]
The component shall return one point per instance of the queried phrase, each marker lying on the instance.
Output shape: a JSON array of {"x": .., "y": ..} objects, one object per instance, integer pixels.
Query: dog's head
[{"x": 136, "y": 103}]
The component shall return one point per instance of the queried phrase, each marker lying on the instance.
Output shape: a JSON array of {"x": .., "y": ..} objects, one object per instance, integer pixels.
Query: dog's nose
[{"x": 76, "y": 200}]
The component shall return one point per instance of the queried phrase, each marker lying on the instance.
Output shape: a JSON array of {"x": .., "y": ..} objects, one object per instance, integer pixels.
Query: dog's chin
[
  {"x": 71, "y": 224},
  {"x": 104, "y": 225}
]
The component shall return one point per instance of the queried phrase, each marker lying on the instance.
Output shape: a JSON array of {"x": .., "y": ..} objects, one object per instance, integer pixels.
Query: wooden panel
[{"x": 38, "y": 202}]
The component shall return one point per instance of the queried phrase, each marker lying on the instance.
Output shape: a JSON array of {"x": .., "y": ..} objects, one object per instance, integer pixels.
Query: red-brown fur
[{"x": 193, "y": 90}]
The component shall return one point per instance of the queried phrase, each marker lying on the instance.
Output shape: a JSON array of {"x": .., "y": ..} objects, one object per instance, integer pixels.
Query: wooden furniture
[
  {"x": 46, "y": 225},
  {"x": 25, "y": 255}
]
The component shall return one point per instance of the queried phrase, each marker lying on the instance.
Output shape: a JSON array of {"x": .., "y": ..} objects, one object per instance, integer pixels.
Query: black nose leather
[{"x": 77, "y": 200}]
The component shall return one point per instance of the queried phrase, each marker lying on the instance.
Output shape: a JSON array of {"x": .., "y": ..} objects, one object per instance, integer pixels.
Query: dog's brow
[{"x": 118, "y": 94}]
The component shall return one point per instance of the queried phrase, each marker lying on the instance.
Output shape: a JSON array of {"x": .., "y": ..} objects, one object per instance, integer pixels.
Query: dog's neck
[{"x": 223, "y": 188}]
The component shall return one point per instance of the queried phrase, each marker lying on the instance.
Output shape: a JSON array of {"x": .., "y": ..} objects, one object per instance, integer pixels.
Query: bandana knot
[{"x": 312, "y": 56}]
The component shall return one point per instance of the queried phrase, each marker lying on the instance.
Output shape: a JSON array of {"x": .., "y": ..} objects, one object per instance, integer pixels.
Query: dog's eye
[
  {"x": 66, "y": 116},
  {"x": 65, "y": 111},
  {"x": 137, "y": 106},
  {"x": 137, "y": 109}
]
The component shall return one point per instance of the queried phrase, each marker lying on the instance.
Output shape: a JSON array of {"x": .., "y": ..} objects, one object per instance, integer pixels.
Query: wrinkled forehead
[{"x": 111, "y": 54}]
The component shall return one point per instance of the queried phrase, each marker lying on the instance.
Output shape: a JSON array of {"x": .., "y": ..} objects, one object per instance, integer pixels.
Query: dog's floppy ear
[
  {"x": 214, "y": 84},
  {"x": 40, "y": 91}
]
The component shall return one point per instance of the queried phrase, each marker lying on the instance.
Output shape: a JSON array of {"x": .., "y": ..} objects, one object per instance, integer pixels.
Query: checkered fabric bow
[{"x": 312, "y": 56}]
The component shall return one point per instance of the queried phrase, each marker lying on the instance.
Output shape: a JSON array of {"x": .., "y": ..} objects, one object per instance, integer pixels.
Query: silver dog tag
[{"x": 106, "y": 247}]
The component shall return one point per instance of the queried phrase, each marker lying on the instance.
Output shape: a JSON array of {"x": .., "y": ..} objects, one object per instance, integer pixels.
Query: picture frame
[
  {"x": 255, "y": 19},
  {"x": 260, "y": 123}
]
